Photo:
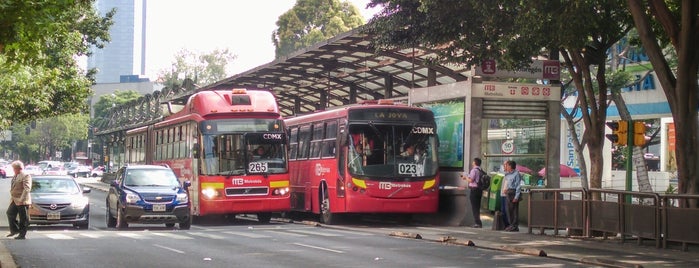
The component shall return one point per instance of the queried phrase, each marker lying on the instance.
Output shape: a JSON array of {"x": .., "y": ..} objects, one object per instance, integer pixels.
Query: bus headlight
[
  {"x": 209, "y": 193},
  {"x": 280, "y": 191}
]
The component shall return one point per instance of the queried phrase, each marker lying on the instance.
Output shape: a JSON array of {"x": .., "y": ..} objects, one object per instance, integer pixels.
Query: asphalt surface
[{"x": 610, "y": 252}]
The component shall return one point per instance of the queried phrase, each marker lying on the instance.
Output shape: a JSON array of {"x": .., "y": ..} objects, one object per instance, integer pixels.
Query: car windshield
[
  {"x": 150, "y": 177},
  {"x": 57, "y": 186}
]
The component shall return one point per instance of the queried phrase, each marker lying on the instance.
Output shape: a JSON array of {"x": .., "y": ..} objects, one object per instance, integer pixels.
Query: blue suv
[{"x": 148, "y": 194}]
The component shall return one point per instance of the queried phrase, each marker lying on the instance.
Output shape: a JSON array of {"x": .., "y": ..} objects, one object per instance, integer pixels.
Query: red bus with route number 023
[
  {"x": 230, "y": 144},
  {"x": 375, "y": 157}
]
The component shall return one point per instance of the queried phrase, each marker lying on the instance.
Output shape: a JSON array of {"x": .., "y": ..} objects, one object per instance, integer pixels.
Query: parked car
[
  {"x": 33, "y": 170},
  {"x": 56, "y": 171},
  {"x": 148, "y": 194},
  {"x": 59, "y": 200},
  {"x": 97, "y": 171},
  {"x": 79, "y": 171},
  {"x": 8, "y": 171}
]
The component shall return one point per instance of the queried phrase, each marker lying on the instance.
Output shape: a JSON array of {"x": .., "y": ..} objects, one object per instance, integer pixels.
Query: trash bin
[{"x": 494, "y": 193}]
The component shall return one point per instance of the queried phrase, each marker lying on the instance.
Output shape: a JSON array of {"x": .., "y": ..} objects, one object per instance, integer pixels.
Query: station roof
[{"x": 343, "y": 70}]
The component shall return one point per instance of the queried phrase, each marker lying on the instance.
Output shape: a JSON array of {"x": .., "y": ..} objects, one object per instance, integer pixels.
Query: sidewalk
[{"x": 593, "y": 251}]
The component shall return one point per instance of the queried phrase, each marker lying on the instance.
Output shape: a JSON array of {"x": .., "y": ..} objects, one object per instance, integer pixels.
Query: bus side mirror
[{"x": 195, "y": 150}]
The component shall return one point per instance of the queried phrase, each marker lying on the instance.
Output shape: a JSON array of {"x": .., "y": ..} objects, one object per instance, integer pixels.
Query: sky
[{"x": 244, "y": 27}]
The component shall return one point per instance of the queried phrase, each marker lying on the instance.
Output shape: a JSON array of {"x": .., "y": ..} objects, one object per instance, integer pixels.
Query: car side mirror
[
  {"x": 187, "y": 184},
  {"x": 115, "y": 184}
]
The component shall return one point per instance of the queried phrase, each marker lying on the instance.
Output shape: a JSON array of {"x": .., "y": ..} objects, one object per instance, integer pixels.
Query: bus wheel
[
  {"x": 325, "y": 215},
  {"x": 264, "y": 217}
]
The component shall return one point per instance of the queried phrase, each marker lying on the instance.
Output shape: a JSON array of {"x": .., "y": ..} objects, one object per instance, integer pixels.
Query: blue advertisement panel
[{"x": 449, "y": 116}]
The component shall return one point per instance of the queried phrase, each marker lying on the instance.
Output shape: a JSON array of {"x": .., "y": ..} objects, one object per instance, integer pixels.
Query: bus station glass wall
[
  {"x": 521, "y": 140},
  {"x": 449, "y": 116}
]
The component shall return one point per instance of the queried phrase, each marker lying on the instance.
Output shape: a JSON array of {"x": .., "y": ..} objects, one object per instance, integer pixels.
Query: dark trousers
[
  {"x": 512, "y": 209},
  {"x": 503, "y": 211},
  {"x": 18, "y": 226},
  {"x": 475, "y": 197}
]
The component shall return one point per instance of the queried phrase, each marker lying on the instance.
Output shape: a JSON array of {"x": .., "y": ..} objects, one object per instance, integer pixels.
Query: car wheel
[
  {"x": 264, "y": 217},
  {"x": 185, "y": 225},
  {"x": 111, "y": 221},
  {"x": 121, "y": 220},
  {"x": 82, "y": 225}
]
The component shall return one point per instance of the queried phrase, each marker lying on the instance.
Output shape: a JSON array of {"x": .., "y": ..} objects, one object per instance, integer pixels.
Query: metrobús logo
[
  {"x": 320, "y": 170},
  {"x": 390, "y": 185},
  {"x": 241, "y": 181}
]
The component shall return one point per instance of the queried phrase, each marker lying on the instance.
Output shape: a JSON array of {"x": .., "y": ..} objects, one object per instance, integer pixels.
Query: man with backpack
[{"x": 475, "y": 190}]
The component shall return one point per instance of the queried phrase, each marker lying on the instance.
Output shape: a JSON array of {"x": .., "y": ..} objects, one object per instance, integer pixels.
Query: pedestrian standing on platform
[
  {"x": 503, "y": 199},
  {"x": 513, "y": 180},
  {"x": 20, "y": 201},
  {"x": 475, "y": 193}
]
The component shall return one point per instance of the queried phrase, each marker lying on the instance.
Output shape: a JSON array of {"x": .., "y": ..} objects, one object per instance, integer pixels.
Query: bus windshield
[
  {"x": 238, "y": 154},
  {"x": 392, "y": 151}
]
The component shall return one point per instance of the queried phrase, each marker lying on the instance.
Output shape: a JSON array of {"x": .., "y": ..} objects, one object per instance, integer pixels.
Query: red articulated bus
[
  {"x": 230, "y": 144},
  {"x": 375, "y": 157}
]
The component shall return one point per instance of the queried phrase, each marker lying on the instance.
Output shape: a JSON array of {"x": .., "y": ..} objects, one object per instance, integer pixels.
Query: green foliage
[
  {"x": 106, "y": 102},
  {"x": 49, "y": 135},
  {"x": 39, "y": 42},
  {"x": 312, "y": 21},
  {"x": 203, "y": 69}
]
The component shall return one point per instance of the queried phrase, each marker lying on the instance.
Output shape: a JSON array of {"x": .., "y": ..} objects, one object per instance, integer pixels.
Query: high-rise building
[{"x": 123, "y": 58}]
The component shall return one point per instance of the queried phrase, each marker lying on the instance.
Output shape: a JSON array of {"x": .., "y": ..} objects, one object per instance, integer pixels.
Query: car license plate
[
  {"x": 159, "y": 207},
  {"x": 53, "y": 216}
]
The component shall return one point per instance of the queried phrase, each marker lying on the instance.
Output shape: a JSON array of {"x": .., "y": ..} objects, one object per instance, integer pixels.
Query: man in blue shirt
[{"x": 513, "y": 182}]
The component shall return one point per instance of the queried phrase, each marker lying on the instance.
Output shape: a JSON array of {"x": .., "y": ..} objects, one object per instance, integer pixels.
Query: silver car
[{"x": 59, "y": 200}]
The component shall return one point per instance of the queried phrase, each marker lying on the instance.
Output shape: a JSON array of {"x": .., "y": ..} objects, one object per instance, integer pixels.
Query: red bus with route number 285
[
  {"x": 375, "y": 157},
  {"x": 230, "y": 144}
]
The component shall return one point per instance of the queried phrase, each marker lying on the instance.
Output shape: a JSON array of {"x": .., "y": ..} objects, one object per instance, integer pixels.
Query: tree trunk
[{"x": 682, "y": 92}]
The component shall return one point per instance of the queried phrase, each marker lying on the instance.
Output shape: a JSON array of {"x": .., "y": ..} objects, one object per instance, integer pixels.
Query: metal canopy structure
[{"x": 344, "y": 70}]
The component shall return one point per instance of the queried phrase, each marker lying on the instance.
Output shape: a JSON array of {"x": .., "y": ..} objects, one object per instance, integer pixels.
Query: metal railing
[{"x": 599, "y": 212}]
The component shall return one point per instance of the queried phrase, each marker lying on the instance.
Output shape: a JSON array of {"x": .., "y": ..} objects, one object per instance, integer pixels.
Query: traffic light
[
  {"x": 619, "y": 132},
  {"x": 639, "y": 133}
]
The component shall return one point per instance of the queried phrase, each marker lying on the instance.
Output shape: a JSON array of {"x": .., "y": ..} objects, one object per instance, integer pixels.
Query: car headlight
[
  {"x": 182, "y": 198},
  {"x": 132, "y": 198},
  {"x": 80, "y": 202}
]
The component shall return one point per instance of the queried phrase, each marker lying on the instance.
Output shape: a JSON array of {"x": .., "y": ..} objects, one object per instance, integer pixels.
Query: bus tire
[
  {"x": 326, "y": 216},
  {"x": 264, "y": 217}
]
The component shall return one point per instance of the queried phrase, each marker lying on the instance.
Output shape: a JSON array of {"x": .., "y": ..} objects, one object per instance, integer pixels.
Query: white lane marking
[
  {"x": 92, "y": 235},
  {"x": 207, "y": 235},
  {"x": 316, "y": 232},
  {"x": 353, "y": 233},
  {"x": 287, "y": 234},
  {"x": 320, "y": 248},
  {"x": 250, "y": 235},
  {"x": 59, "y": 236},
  {"x": 173, "y": 236},
  {"x": 132, "y": 235},
  {"x": 170, "y": 249}
]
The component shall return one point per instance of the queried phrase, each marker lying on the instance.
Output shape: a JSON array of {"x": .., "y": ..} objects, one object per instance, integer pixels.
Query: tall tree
[
  {"x": 677, "y": 23},
  {"x": 514, "y": 31},
  {"x": 39, "y": 42},
  {"x": 203, "y": 69},
  {"x": 50, "y": 135},
  {"x": 312, "y": 21}
]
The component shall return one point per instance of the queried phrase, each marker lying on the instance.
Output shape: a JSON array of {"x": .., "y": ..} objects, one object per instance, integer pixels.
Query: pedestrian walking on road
[
  {"x": 475, "y": 193},
  {"x": 513, "y": 181},
  {"x": 20, "y": 192}
]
